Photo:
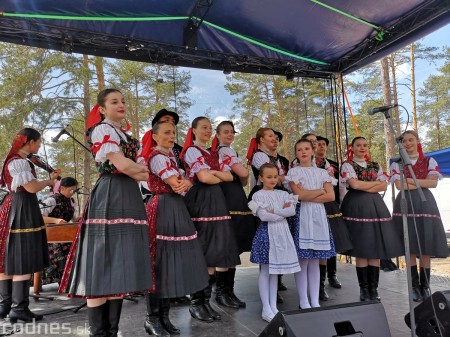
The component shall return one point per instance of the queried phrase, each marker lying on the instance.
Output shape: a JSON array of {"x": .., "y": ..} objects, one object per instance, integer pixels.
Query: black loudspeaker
[
  {"x": 428, "y": 320},
  {"x": 361, "y": 319}
]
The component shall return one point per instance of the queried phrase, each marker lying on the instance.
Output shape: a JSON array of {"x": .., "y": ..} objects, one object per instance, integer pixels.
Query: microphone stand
[
  {"x": 70, "y": 135},
  {"x": 404, "y": 160}
]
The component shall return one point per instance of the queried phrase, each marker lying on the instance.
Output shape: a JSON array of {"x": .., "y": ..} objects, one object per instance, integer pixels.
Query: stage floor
[{"x": 61, "y": 320}]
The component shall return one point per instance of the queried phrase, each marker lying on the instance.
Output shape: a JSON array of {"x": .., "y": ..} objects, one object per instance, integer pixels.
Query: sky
[{"x": 208, "y": 89}]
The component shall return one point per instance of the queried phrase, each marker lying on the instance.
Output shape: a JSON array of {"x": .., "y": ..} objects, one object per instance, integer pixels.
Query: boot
[
  {"x": 323, "y": 296},
  {"x": 197, "y": 308},
  {"x": 281, "y": 286},
  {"x": 424, "y": 282},
  {"x": 152, "y": 324},
  {"x": 374, "y": 277},
  {"x": 164, "y": 308},
  {"x": 114, "y": 311},
  {"x": 21, "y": 302},
  {"x": 417, "y": 296},
  {"x": 5, "y": 297},
  {"x": 280, "y": 299},
  {"x": 363, "y": 280},
  {"x": 207, "y": 297},
  {"x": 231, "y": 276},
  {"x": 222, "y": 296},
  {"x": 98, "y": 320},
  {"x": 331, "y": 270}
]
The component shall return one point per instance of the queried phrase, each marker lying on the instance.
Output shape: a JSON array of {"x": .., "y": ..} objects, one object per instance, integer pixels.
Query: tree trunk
[
  {"x": 387, "y": 100},
  {"x": 86, "y": 108},
  {"x": 100, "y": 73},
  {"x": 394, "y": 91},
  {"x": 413, "y": 89}
]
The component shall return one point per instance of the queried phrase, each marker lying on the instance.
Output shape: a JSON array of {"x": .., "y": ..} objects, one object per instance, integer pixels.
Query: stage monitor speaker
[
  {"x": 427, "y": 322},
  {"x": 361, "y": 319}
]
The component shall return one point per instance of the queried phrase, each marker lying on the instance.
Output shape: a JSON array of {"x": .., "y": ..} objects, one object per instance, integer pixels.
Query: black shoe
[
  {"x": 323, "y": 296},
  {"x": 164, "y": 309},
  {"x": 363, "y": 280},
  {"x": 416, "y": 293},
  {"x": 207, "y": 297},
  {"x": 214, "y": 314},
  {"x": 154, "y": 327},
  {"x": 5, "y": 297},
  {"x": 197, "y": 309},
  {"x": 281, "y": 286},
  {"x": 424, "y": 282},
  {"x": 230, "y": 285},
  {"x": 279, "y": 298},
  {"x": 334, "y": 282},
  {"x": 222, "y": 296},
  {"x": 98, "y": 320},
  {"x": 21, "y": 302},
  {"x": 374, "y": 276}
]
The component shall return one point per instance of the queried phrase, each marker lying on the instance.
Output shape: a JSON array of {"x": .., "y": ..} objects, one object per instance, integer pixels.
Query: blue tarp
[
  {"x": 315, "y": 38},
  {"x": 443, "y": 159}
]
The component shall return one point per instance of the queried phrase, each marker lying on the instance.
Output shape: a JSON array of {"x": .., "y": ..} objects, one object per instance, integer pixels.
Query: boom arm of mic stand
[{"x": 84, "y": 146}]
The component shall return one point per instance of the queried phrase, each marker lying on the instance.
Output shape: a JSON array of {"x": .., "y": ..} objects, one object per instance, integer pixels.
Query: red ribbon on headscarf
[
  {"x": 252, "y": 149},
  {"x": 189, "y": 141},
  {"x": 94, "y": 117},
  {"x": 420, "y": 150},
  {"x": 19, "y": 142},
  {"x": 215, "y": 143},
  {"x": 147, "y": 145},
  {"x": 349, "y": 154}
]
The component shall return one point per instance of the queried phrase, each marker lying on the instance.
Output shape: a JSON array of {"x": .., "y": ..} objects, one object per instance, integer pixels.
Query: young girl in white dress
[
  {"x": 310, "y": 228},
  {"x": 273, "y": 248}
]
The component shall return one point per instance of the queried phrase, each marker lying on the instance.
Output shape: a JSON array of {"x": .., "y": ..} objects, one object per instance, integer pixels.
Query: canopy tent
[
  {"x": 443, "y": 159},
  {"x": 313, "y": 38}
]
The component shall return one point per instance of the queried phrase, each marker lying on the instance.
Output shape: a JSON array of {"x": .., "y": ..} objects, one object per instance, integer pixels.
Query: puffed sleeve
[
  {"x": 259, "y": 159},
  {"x": 160, "y": 165},
  {"x": 327, "y": 178},
  {"x": 195, "y": 160},
  {"x": 227, "y": 158},
  {"x": 287, "y": 198},
  {"x": 347, "y": 172},
  {"x": 51, "y": 203},
  {"x": 20, "y": 171},
  {"x": 105, "y": 140},
  {"x": 292, "y": 175},
  {"x": 395, "y": 172},
  {"x": 433, "y": 169},
  {"x": 382, "y": 176},
  {"x": 260, "y": 208}
]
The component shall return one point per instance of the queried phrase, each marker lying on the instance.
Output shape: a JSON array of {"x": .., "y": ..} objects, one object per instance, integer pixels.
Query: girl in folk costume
[
  {"x": 179, "y": 265},
  {"x": 110, "y": 254},
  {"x": 60, "y": 209},
  {"x": 424, "y": 216},
  {"x": 23, "y": 241},
  {"x": 338, "y": 226},
  {"x": 311, "y": 230},
  {"x": 263, "y": 150},
  {"x": 208, "y": 209},
  {"x": 242, "y": 219},
  {"x": 373, "y": 232},
  {"x": 273, "y": 248}
]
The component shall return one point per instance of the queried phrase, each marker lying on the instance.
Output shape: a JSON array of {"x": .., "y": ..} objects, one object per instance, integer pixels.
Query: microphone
[
  {"x": 56, "y": 138},
  {"x": 77, "y": 191},
  {"x": 381, "y": 109}
]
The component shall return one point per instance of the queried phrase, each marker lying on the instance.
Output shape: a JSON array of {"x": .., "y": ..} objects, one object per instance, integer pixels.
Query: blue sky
[{"x": 208, "y": 85}]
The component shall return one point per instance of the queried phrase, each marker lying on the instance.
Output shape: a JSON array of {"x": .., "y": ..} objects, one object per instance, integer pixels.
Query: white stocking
[
  {"x": 314, "y": 282},
  {"x": 273, "y": 288},
  {"x": 264, "y": 290},
  {"x": 301, "y": 281}
]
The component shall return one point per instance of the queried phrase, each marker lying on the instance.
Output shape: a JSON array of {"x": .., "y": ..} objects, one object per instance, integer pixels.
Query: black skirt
[
  {"x": 208, "y": 209},
  {"x": 372, "y": 230},
  {"x": 26, "y": 250},
  {"x": 339, "y": 230},
  {"x": 180, "y": 265},
  {"x": 243, "y": 222},
  {"x": 111, "y": 254},
  {"x": 430, "y": 229}
]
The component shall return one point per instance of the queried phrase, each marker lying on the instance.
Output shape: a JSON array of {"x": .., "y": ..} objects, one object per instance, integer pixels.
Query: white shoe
[{"x": 266, "y": 317}]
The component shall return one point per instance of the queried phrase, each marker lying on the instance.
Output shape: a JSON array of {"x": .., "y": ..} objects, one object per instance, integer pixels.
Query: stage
[{"x": 61, "y": 320}]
